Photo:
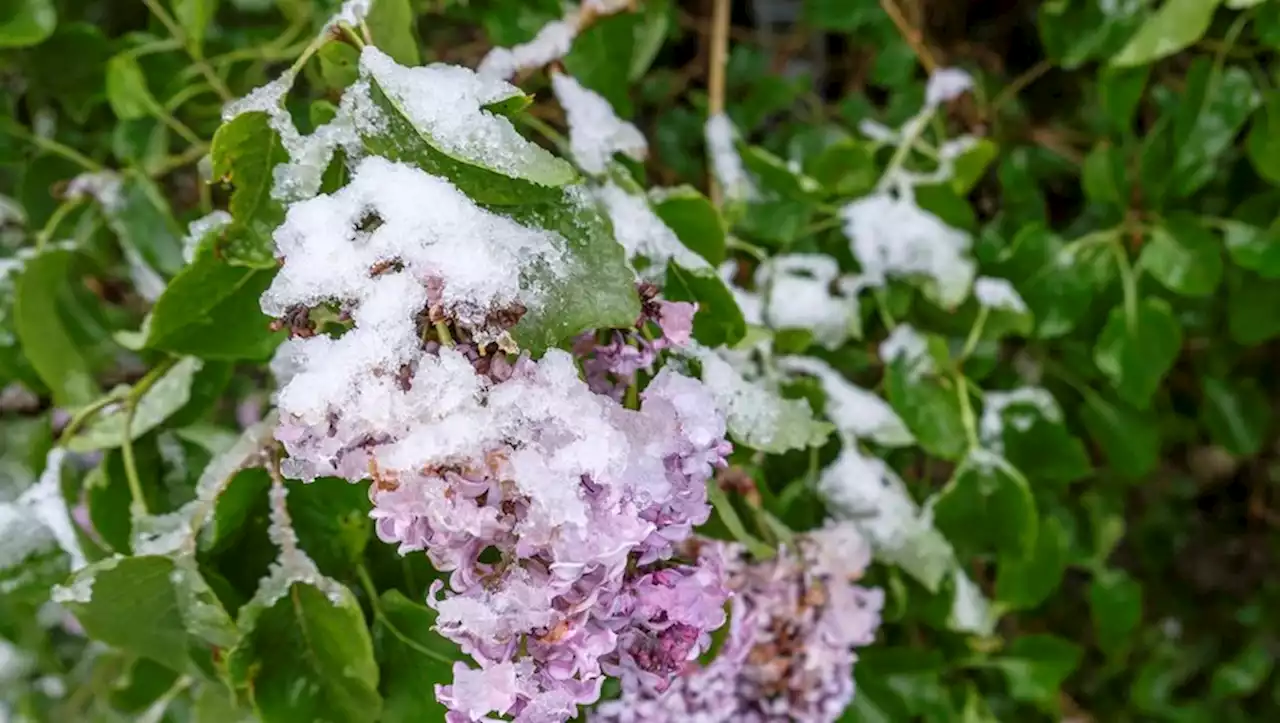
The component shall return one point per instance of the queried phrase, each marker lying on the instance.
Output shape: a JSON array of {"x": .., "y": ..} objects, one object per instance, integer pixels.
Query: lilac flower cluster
[
  {"x": 611, "y": 366},
  {"x": 789, "y": 652}
]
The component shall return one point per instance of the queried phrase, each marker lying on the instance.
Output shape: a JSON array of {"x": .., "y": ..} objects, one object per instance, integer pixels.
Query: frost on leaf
[
  {"x": 998, "y": 294},
  {"x": 552, "y": 42},
  {"x": 892, "y": 237},
  {"x": 292, "y": 565},
  {"x": 595, "y": 131},
  {"x": 211, "y": 223},
  {"x": 868, "y": 492},
  {"x": 758, "y": 415},
  {"x": 1020, "y": 408},
  {"x": 803, "y": 292},
  {"x": 856, "y": 412},
  {"x": 906, "y": 345},
  {"x": 642, "y": 233},
  {"x": 726, "y": 164},
  {"x": 435, "y": 117}
]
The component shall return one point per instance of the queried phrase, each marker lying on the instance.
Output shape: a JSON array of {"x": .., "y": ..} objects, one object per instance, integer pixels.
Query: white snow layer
[
  {"x": 998, "y": 294},
  {"x": 856, "y": 412},
  {"x": 595, "y": 130},
  {"x": 726, "y": 164}
]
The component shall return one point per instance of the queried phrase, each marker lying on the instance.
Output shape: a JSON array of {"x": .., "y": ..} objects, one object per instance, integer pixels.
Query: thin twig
[
  {"x": 910, "y": 34},
  {"x": 715, "y": 74},
  {"x": 1020, "y": 83}
]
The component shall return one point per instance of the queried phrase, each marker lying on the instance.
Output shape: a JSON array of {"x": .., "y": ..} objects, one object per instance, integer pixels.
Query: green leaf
[
  {"x": 986, "y": 488},
  {"x": 972, "y": 165},
  {"x": 1210, "y": 114},
  {"x": 26, "y": 22},
  {"x": 845, "y": 168},
  {"x": 149, "y": 605},
  {"x": 1135, "y": 353},
  {"x": 1251, "y": 301},
  {"x": 530, "y": 174},
  {"x": 1041, "y": 446},
  {"x": 1105, "y": 176},
  {"x": 245, "y": 152},
  {"x": 1120, "y": 93},
  {"x": 1050, "y": 279},
  {"x": 309, "y": 658},
  {"x": 1251, "y": 247},
  {"x": 599, "y": 289},
  {"x": 1264, "y": 140},
  {"x": 210, "y": 310},
  {"x": 1115, "y": 603},
  {"x": 758, "y": 415},
  {"x": 390, "y": 24},
  {"x": 1025, "y": 581},
  {"x": 167, "y": 395},
  {"x": 414, "y": 658},
  {"x": 234, "y": 505},
  {"x": 601, "y": 57},
  {"x": 339, "y": 66},
  {"x": 1244, "y": 674},
  {"x": 1035, "y": 667},
  {"x": 1237, "y": 415},
  {"x": 718, "y": 320},
  {"x": 1129, "y": 438},
  {"x": 70, "y": 66},
  {"x": 1183, "y": 255},
  {"x": 650, "y": 34},
  {"x": 695, "y": 221},
  {"x": 331, "y": 517},
  {"x": 193, "y": 17},
  {"x": 46, "y": 341},
  {"x": 127, "y": 90},
  {"x": 1174, "y": 26},
  {"x": 774, "y": 174},
  {"x": 1075, "y": 33},
  {"x": 930, "y": 408},
  {"x": 140, "y": 218}
]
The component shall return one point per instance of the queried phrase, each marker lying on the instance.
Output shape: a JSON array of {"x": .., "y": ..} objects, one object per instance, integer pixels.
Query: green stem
[
  {"x": 126, "y": 438},
  {"x": 196, "y": 53},
  {"x": 446, "y": 339},
  {"x": 371, "y": 591},
  {"x": 84, "y": 414},
  {"x": 59, "y": 215},
  {"x": 911, "y": 133},
  {"x": 540, "y": 126},
  {"x": 352, "y": 35},
  {"x": 1129, "y": 282},
  {"x": 729, "y": 516},
  {"x": 966, "y": 409},
  {"x": 52, "y": 146},
  {"x": 975, "y": 334}
]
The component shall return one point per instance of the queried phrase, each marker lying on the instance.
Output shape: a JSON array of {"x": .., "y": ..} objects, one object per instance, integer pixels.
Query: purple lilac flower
[{"x": 789, "y": 652}]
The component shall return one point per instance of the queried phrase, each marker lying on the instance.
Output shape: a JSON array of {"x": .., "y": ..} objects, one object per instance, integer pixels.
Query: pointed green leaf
[
  {"x": 127, "y": 90},
  {"x": 46, "y": 341},
  {"x": 1237, "y": 415},
  {"x": 149, "y": 605},
  {"x": 1115, "y": 602},
  {"x": 414, "y": 659},
  {"x": 1183, "y": 256},
  {"x": 245, "y": 152},
  {"x": 309, "y": 657},
  {"x": 1025, "y": 581},
  {"x": 1129, "y": 438},
  {"x": 988, "y": 506},
  {"x": 1174, "y": 26},
  {"x": 718, "y": 320},
  {"x": 1135, "y": 353},
  {"x": 26, "y": 22},
  {"x": 1252, "y": 247},
  {"x": 1036, "y": 666},
  {"x": 391, "y": 24},
  {"x": 695, "y": 221}
]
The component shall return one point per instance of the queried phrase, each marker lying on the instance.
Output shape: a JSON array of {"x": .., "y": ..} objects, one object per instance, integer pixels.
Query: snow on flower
[
  {"x": 559, "y": 514},
  {"x": 789, "y": 655}
]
